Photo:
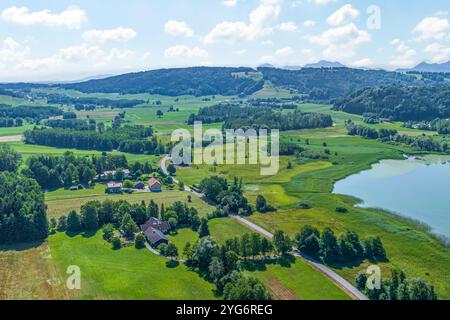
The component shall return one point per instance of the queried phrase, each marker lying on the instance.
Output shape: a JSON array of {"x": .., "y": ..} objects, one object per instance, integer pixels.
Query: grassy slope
[{"x": 127, "y": 273}]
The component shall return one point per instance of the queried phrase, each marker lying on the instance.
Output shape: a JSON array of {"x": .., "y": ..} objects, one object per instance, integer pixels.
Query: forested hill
[
  {"x": 197, "y": 81},
  {"x": 399, "y": 103},
  {"x": 317, "y": 83},
  {"x": 329, "y": 83}
]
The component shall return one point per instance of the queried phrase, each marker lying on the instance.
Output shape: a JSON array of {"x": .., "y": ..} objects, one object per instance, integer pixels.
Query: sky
[{"x": 56, "y": 40}]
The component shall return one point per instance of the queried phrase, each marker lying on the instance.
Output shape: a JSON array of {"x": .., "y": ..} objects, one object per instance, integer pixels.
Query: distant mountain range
[
  {"x": 317, "y": 65},
  {"x": 429, "y": 67}
]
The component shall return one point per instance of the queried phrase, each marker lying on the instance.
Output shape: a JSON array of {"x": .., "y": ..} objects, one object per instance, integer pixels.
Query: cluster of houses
[
  {"x": 155, "y": 231},
  {"x": 154, "y": 185}
]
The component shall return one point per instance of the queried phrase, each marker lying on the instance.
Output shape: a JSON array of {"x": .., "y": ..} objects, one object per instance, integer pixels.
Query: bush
[
  {"x": 341, "y": 210},
  {"x": 139, "y": 242},
  {"x": 116, "y": 243}
]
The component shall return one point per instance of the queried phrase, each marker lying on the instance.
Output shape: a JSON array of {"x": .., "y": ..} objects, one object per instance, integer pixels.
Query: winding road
[{"x": 336, "y": 278}]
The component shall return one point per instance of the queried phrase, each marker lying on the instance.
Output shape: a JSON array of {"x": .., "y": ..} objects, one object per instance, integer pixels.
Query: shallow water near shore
[{"x": 417, "y": 188}]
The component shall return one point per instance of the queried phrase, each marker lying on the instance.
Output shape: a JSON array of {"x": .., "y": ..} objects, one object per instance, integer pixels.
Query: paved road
[{"x": 336, "y": 278}]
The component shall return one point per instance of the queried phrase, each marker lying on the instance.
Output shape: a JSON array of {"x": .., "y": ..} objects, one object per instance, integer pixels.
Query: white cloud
[
  {"x": 340, "y": 42},
  {"x": 178, "y": 28},
  {"x": 230, "y": 3},
  {"x": 267, "y": 43},
  {"x": 75, "y": 56},
  {"x": 182, "y": 51},
  {"x": 342, "y": 16},
  {"x": 12, "y": 51},
  {"x": 288, "y": 26},
  {"x": 432, "y": 28},
  {"x": 440, "y": 53},
  {"x": 309, "y": 23},
  {"x": 322, "y": 2},
  {"x": 306, "y": 52},
  {"x": 118, "y": 35},
  {"x": 406, "y": 56},
  {"x": 284, "y": 52},
  {"x": 363, "y": 63},
  {"x": 260, "y": 23},
  {"x": 241, "y": 52},
  {"x": 71, "y": 18}
]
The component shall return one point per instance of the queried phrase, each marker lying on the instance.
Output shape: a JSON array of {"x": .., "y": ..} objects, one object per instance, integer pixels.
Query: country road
[{"x": 336, "y": 278}]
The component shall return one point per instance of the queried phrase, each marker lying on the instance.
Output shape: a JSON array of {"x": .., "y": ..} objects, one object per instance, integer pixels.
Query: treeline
[
  {"x": 11, "y": 122},
  {"x": 197, "y": 81},
  {"x": 92, "y": 101},
  {"x": 397, "y": 287},
  {"x": 22, "y": 207},
  {"x": 399, "y": 103},
  {"x": 75, "y": 124},
  {"x": 442, "y": 126},
  {"x": 295, "y": 120},
  {"x": 421, "y": 143},
  {"x": 131, "y": 139},
  {"x": 35, "y": 113},
  {"x": 329, "y": 83},
  {"x": 223, "y": 111},
  {"x": 347, "y": 248}
]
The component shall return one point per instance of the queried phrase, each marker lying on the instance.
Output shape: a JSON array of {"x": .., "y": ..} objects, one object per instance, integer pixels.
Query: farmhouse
[
  {"x": 154, "y": 185},
  {"x": 154, "y": 229},
  {"x": 109, "y": 175},
  {"x": 114, "y": 187},
  {"x": 139, "y": 185}
]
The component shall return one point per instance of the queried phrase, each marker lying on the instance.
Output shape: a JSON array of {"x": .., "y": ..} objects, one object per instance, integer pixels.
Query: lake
[{"x": 418, "y": 188}]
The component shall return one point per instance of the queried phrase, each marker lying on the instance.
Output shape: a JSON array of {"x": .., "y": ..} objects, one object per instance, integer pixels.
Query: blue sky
[{"x": 63, "y": 40}]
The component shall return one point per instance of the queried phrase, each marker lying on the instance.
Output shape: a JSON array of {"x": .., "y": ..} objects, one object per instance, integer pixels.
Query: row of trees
[
  {"x": 32, "y": 113},
  {"x": 11, "y": 122},
  {"x": 132, "y": 139},
  {"x": 100, "y": 102},
  {"x": 347, "y": 248},
  {"x": 420, "y": 143},
  {"x": 397, "y": 287}
]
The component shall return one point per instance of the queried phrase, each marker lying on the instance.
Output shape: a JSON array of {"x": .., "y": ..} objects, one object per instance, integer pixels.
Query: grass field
[{"x": 127, "y": 273}]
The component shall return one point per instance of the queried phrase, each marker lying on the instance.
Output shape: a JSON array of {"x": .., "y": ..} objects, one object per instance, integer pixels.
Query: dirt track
[{"x": 11, "y": 139}]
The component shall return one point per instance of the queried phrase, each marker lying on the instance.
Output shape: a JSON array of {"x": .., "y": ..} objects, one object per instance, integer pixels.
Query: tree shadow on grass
[
  {"x": 355, "y": 263},
  {"x": 172, "y": 264},
  {"x": 21, "y": 246},
  {"x": 261, "y": 265},
  {"x": 84, "y": 234}
]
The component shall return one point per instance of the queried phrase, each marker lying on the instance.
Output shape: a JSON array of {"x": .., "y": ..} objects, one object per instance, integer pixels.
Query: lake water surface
[{"x": 418, "y": 188}]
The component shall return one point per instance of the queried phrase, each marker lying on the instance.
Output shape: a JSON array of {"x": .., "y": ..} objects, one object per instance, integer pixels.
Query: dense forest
[
  {"x": 197, "y": 81},
  {"x": 132, "y": 139},
  {"x": 399, "y": 103},
  {"x": 329, "y": 83}
]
